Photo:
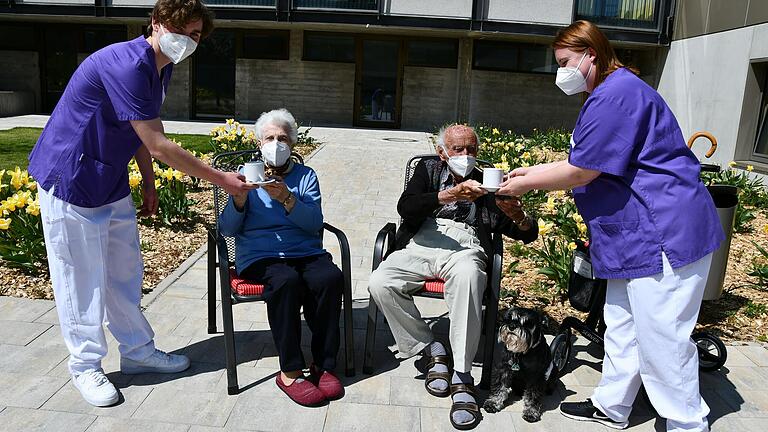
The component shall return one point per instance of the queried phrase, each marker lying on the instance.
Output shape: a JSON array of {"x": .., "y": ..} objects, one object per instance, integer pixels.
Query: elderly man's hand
[
  {"x": 513, "y": 208},
  {"x": 468, "y": 190}
]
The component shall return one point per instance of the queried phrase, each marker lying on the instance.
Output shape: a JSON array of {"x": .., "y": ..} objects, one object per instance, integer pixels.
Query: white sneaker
[
  {"x": 157, "y": 362},
  {"x": 95, "y": 388}
]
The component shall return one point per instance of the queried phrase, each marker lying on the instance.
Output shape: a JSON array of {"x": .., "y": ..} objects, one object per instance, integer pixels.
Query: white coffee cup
[
  {"x": 253, "y": 171},
  {"x": 492, "y": 177}
]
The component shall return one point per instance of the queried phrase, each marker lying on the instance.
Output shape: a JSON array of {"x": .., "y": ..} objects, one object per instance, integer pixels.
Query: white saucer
[
  {"x": 490, "y": 188},
  {"x": 262, "y": 182}
]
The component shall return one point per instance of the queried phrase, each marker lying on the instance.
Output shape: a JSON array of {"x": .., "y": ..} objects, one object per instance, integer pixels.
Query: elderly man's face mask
[{"x": 461, "y": 156}]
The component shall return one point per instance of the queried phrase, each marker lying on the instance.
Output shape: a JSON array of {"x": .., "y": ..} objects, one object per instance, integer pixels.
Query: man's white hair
[
  {"x": 278, "y": 117},
  {"x": 444, "y": 129}
]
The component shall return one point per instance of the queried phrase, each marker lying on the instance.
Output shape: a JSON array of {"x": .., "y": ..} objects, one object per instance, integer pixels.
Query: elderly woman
[{"x": 277, "y": 233}]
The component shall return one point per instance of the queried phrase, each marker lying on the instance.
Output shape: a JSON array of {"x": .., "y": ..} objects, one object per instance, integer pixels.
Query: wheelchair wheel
[
  {"x": 561, "y": 351},
  {"x": 712, "y": 351}
]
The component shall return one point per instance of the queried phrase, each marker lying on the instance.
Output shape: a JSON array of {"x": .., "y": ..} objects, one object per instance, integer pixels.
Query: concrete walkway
[{"x": 361, "y": 178}]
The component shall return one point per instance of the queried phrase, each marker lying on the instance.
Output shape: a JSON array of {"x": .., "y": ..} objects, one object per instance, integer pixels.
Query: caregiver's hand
[
  {"x": 514, "y": 186},
  {"x": 149, "y": 201},
  {"x": 468, "y": 190},
  {"x": 239, "y": 198}
]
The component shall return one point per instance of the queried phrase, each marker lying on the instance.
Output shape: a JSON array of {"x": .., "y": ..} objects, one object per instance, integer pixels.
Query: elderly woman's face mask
[{"x": 276, "y": 153}]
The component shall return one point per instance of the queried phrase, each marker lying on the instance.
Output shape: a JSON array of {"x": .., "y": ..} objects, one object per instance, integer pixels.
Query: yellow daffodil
[
  {"x": 550, "y": 204},
  {"x": 526, "y": 155},
  {"x": 572, "y": 246},
  {"x": 2, "y": 174},
  {"x": 496, "y": 131},
  {"x": 157, "y": 184},
  {"x": 731, "y": 164},
  {"x": 134, "y": 179},
  {"x": 9, "y": 204},
  {"x": 503, "y": 165},
  {"x": 545, "y": 227},
  {"x": 33, "y": 208},
  {"x": 5, "y": 223},
  {"x": 178, "y": 175},
  {"x": 582, "y": 228},
  {"x": 230, "y": 121},
  {"x": 32, "y": 185},
  {"x": 168, "y": 174},
  {"x": 750, "y": 168},
  {"x": 503, "y": 157},
  {"x": 577, "y": 217},
  {"x": 17, "y": 179}
]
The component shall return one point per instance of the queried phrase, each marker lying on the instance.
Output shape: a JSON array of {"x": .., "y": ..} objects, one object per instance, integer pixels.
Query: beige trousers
[{"x": 442, "y": 249}]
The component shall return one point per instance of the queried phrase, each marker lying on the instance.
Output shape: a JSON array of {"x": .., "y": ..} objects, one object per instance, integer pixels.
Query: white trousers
[
  {"x": 648, "y": 341},
  {"x": 441, "y": 249},
  {"x": 96, "y": 272}
]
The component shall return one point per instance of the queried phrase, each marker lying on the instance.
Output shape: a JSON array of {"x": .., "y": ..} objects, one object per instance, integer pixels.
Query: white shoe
[
  {"x": 95, "y": 388},
  {"x": 157, "y": 362}
]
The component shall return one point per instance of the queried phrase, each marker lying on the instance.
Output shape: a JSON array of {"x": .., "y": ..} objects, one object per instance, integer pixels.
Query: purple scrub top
[
  {"x": 87, "y": 143},
  {"x": 648, "y": 197}
]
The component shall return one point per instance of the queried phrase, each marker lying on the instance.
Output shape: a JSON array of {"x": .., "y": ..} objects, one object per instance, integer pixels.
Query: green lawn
[{"x": 16, "y": 143}]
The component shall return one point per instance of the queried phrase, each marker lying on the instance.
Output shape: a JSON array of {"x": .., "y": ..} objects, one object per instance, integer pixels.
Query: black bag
[{"x": 582, "y": 284}]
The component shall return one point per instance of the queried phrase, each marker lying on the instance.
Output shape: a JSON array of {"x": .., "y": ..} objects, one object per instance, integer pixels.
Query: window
[
  {"x": 266, "y": 45},
  {"x": 18, "y": 37},
  {"x": 619, "y": 13},
  {"x": 331, "y": 47},
  {"x": 761, "y": 144},
  {"x": 433, "y": 53},
  {"x": 513, "y": 57},
  {"x": 94, "y": 39},
  {"x": 371, "y": 5}
]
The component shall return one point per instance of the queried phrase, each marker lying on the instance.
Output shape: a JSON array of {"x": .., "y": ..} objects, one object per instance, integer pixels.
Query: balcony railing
[
  {"x": 362, "y": 5},
  {"x": 241, "y": 2},
  {"x": 636, "y": 14}
]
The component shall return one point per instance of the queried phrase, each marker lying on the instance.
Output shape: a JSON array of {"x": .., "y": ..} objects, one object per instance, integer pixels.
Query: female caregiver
[
  {"x": 108, "y": 114},
  {"x": 653, "y": 228}
]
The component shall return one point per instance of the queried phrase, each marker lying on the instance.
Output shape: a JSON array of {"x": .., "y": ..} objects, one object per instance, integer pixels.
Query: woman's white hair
[
  {"x": 278, "y": 117},
  {"x": 444, "y": 129}
]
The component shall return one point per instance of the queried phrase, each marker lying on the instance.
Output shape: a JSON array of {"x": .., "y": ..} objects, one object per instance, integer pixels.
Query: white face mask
[
  {"x": 276, "y": 153},
  {"x": 460, "y": 165},
  {"x": 176, "y": 46},
  {"x": 571, "y": 80}
]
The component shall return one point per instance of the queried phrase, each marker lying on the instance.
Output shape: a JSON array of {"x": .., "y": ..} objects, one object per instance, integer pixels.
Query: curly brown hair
[{"x": 179, "y": 13}]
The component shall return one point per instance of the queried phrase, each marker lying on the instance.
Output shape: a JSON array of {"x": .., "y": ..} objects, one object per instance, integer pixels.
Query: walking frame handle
[{"x": 708, "y": 136}]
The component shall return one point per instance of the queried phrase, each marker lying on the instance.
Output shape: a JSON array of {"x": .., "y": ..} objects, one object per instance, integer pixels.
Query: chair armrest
[
  {"x": 498, "y": 255},
  {"x": 385, "y": 243},
  {"x": 346, "y": 267}
]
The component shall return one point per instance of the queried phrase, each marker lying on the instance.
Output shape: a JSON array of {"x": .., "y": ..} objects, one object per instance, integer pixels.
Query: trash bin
[{"x": 726, "y": 199}]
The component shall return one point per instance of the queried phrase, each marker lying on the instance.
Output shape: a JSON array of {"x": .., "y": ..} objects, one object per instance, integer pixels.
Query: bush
[{"x": 22, "y": 244}]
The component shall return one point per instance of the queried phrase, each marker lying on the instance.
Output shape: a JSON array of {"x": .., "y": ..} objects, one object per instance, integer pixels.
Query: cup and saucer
[
  {"x": 254, "y": 173},
  {"x": 492, "y": 179}
]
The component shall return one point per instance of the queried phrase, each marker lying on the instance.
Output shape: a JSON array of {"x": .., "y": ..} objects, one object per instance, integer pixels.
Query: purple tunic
[
  {"x": 87, "y": 143},
  {"x": 648, "y": 197}
]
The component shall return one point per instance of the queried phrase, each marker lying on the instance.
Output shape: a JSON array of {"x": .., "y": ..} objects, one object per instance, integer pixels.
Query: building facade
[{"x": 370, "y": 63}]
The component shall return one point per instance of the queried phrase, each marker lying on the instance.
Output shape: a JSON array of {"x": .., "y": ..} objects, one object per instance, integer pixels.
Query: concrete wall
[
  {"x": 710, "y": 84},
  {"x": 699, "y": 17},
  {"x": 521, "y": 102},
  {"x": 315, "y": 92},
  {"x": 531, "y": 11},
  {"x": 429, "y": 97},
  {"x": 176, "y": 105},
  {"x": 21, "y": 72},
  {"x": 442, "y": 8},
  {"x": 72, "y": 2}
]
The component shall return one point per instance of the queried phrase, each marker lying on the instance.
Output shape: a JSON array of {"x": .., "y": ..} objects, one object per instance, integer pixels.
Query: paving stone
[
  {"x": 27, "y": 391},
  {"x": 22, "y": 419},
  {"x": 747, "y": 378},
  {"x": 371, "y": 418},
  {"x": 166, "y": 305},
  {"x": 19, "y": 359},
  {"x": 109, "y": 424},
  {"x": 256, "y": 412},
  {"x": 163, "y": 323},
  {"x": 438, "y": 420},
  {"x": 255, "y": 381},
  {"x": 411, "y": 392},
  {"x": 199, "y": 377},
  {"x": 184, "y": 406},
  {"x": 50, "y": 339},
  {"x": 739, "y": 424},
  {"x": 553, "y": 421},
  {"x": 184, "y": 290},
  {"x": 758, "y": 354},
  {"x": 23, "y": 309},
  {"x": 50, "y": 317},
  {"x": 373, "y": 389},
  {"x": 198, "y": 326},
  {"x": 736, "y": 357},
  {"x": 746, "y": 403},
  {"x": 20, "y": 332},
  {"x": 210, "y": 349},
  {"x": 68, "y": 399}
]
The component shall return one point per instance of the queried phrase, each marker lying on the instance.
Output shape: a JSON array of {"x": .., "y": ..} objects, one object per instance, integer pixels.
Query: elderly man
[{"x": 447, "y": 224}]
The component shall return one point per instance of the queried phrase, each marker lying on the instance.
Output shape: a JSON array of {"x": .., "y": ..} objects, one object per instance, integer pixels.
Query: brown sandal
[
  {"x": 470, "y": 407},
  {"x": 425, "y": 363}
]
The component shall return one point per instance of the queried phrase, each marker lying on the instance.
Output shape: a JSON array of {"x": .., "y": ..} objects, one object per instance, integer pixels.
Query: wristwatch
[{"x": 287, "y": 200}]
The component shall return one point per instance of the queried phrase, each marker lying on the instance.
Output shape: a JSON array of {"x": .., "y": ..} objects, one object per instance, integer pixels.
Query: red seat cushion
[
  {"x": 244, "y": 287},
  {"x": 435, "y": 286}
]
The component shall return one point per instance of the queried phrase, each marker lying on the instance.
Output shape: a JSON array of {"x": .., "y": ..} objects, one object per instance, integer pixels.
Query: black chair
[
  {"x": 435, "y": 288},
  {"x": 235, "y": 289}
]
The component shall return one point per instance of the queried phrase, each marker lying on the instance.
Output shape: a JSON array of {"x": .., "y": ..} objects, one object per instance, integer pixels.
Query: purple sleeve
[
  {"x": 130, "y": 90},
  {"x": 604, "y": 138}
]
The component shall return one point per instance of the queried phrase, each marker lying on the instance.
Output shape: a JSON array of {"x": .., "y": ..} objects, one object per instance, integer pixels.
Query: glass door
[
  {"x": 378, "y": 83},
  {"x": 214, "y": 76}
]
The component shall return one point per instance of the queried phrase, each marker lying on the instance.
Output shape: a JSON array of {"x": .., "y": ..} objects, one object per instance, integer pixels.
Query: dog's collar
[{"x": 514, "y": 362}]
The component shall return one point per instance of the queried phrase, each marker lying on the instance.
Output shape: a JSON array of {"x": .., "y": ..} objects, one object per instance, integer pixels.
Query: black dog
[{"x": 526, "y": 364}]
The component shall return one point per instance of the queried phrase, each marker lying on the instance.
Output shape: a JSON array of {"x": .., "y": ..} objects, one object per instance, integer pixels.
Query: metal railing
[
  {"x": 635, "y": 14},
  {"x": 363, "y": 5}
]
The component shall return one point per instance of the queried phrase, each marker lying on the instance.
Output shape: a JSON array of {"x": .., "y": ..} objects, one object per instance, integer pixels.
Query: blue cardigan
[{"x": 264, "y": 230}]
